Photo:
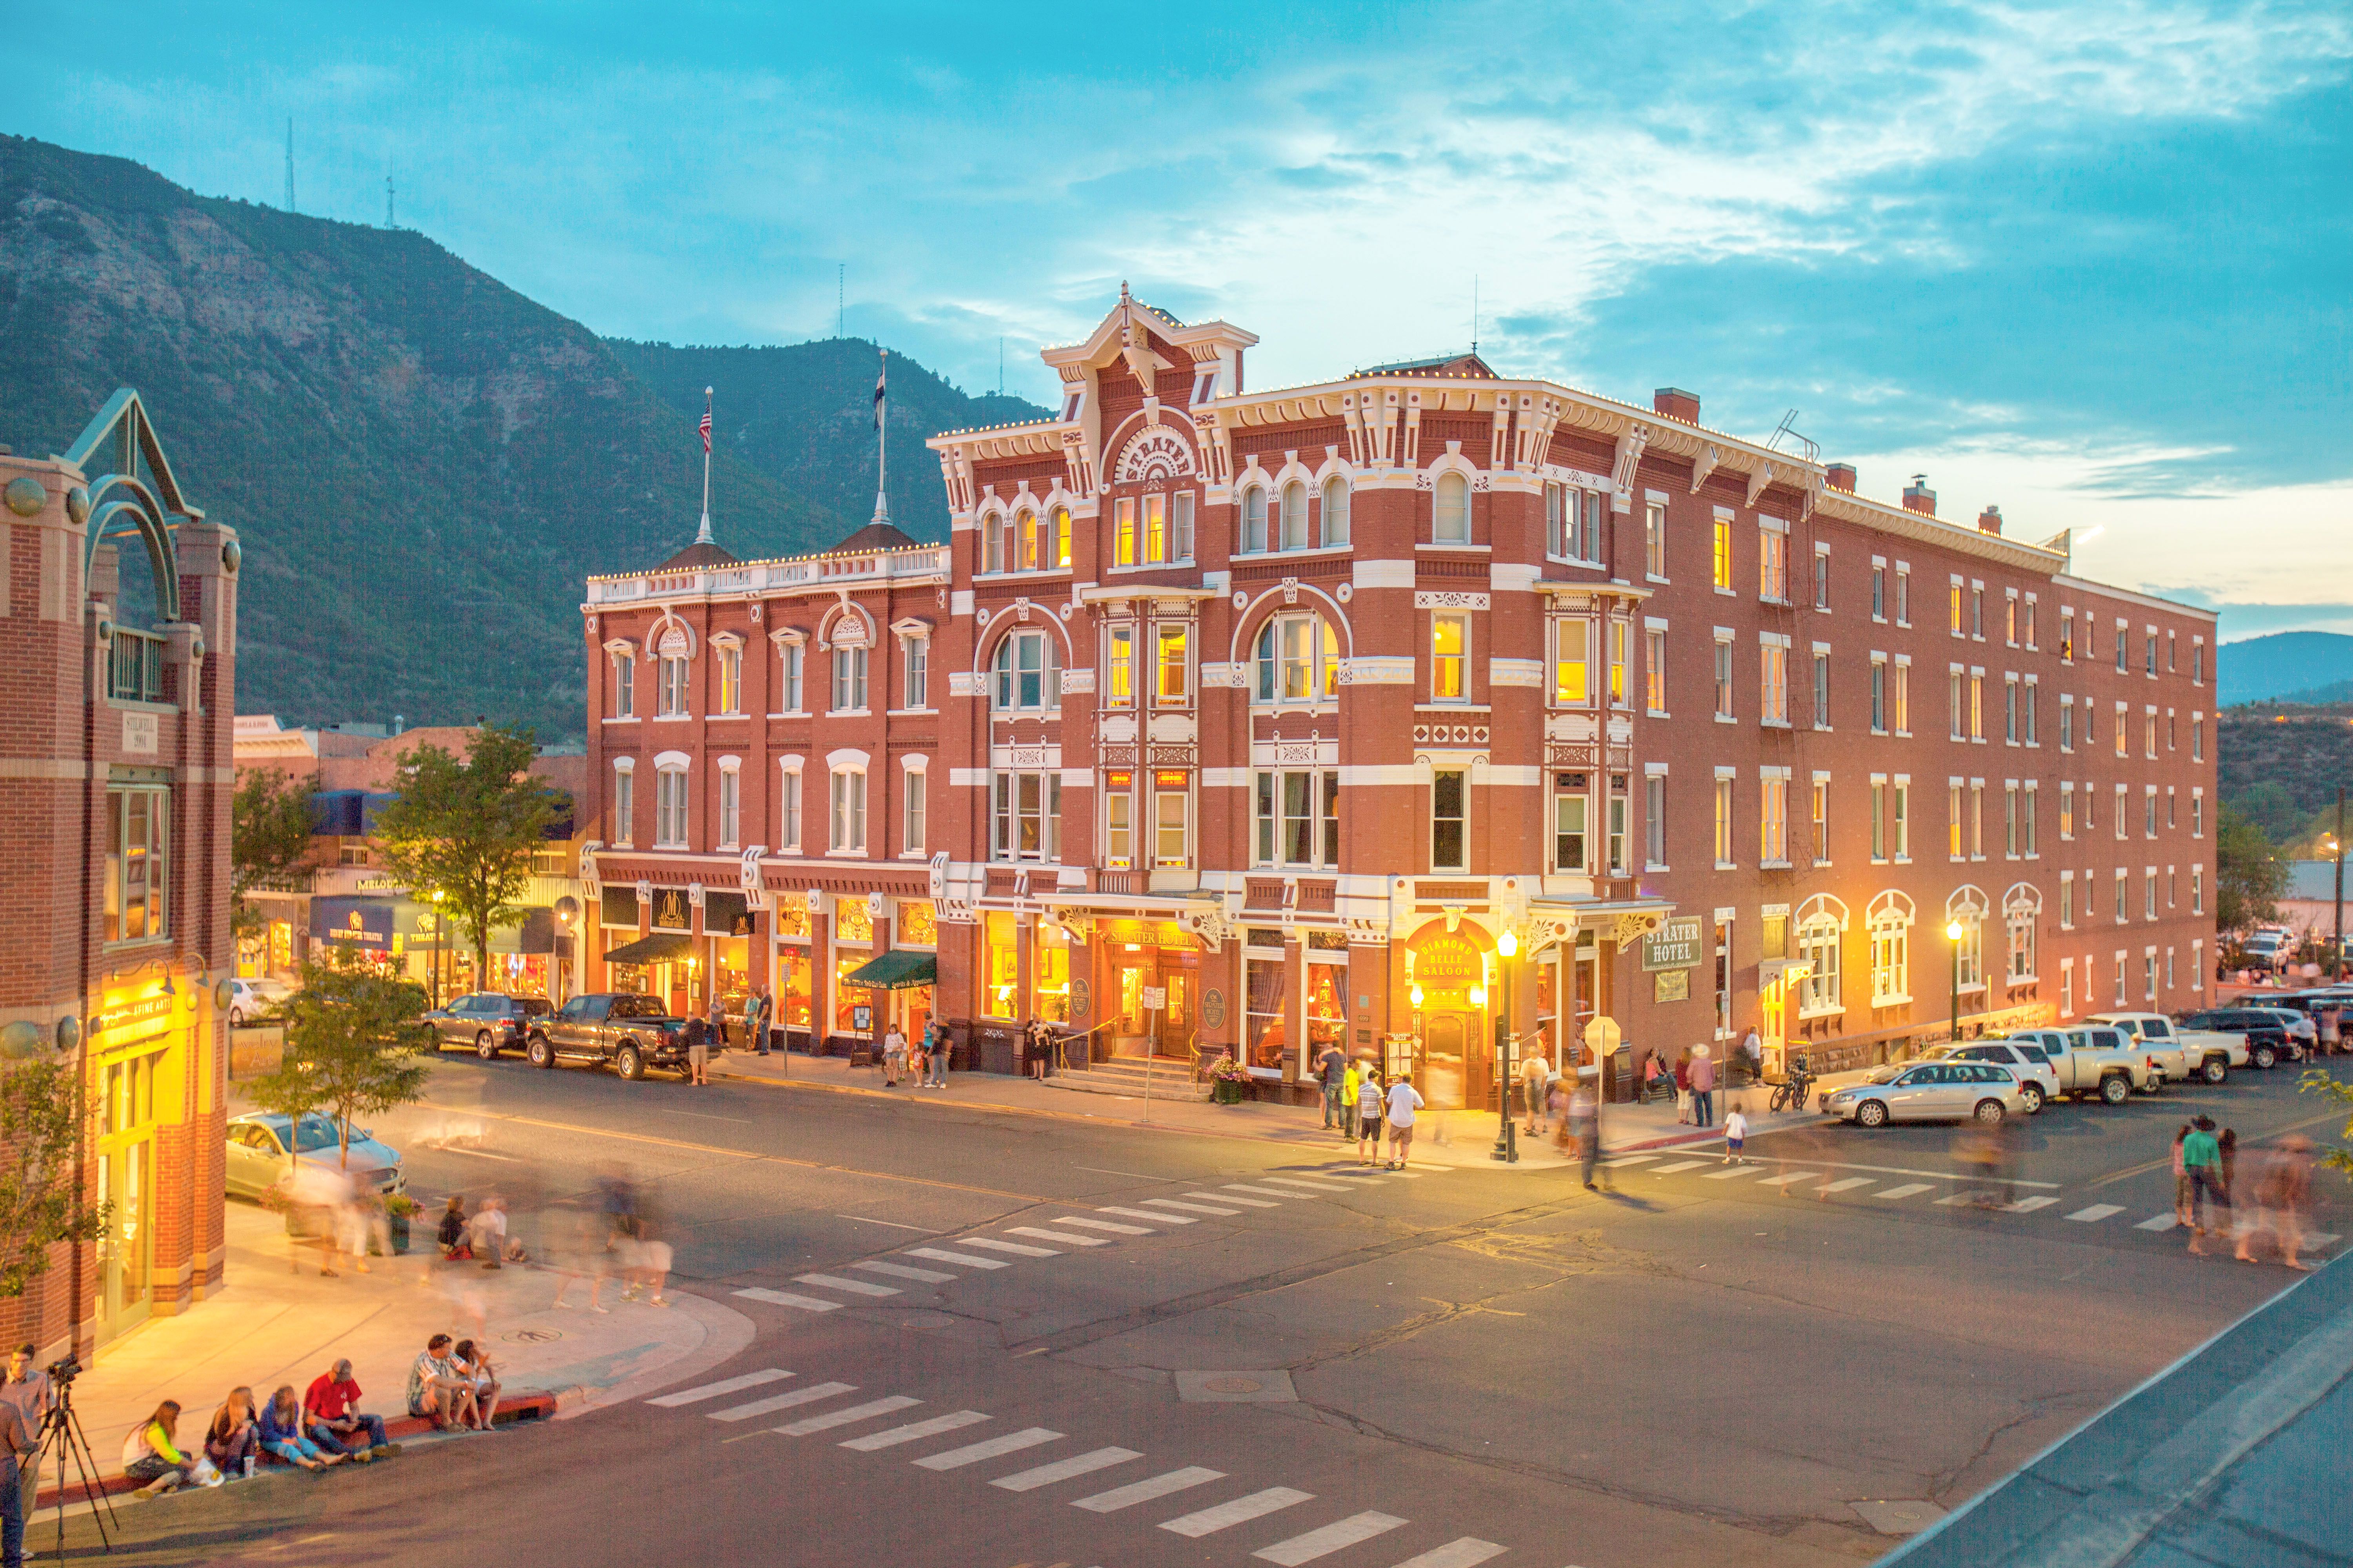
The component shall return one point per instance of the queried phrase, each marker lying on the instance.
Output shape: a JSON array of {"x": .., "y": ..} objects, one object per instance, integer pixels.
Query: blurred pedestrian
[
  {"x": 717, "y": 1021},
  {"x": 1703, "y": 1084},
  {"x": 1735, "y": 1137},
  {"x": 2202, "y": 1156},
  {"x": 1683, "y": 1089},
  {"x": 584, "y": 1251},
  {"x": 698, "y": 1052},
  {"x": 2181, "y": 1194},
  {"x": 894, "y": 1057},
  {"x": 1332, "y": 1076},
  {"x": 1404, "y": 1100},
  {"x": 1369, "y": 1101},
  {"x": 1584, "y": 1123},
  {"x": 936, "y": 1058},
  {"x": 2281, "y": 1189},
  {"x": 1535, "y": 1077}
]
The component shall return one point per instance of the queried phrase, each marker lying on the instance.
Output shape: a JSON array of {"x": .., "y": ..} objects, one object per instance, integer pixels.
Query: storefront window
[
  {"x": 1266, "y": 1024},
  {"x": 1327, "y": 1002},
  {"x": 919, "y": 924},
  {"x": 792, "y": 914},
  {"x": 793, "y": 1010},
  {"x": 1053, "y": 973},
  {"x": 850, "y": 921},
  {"x": 1002, "y": 966},
  {"x": 853, "y": 1005},
  {"x": 731, "y": 961},
  {"x": 1548, "y": 1006}
]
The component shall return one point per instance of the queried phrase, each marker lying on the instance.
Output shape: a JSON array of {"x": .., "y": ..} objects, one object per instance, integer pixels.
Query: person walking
[
  {"x": 19, "y": 1448},
  {"x": 1585, "y": 1125},
  {"x": 718, "y": 1022},
  {"x": 894, "y": 1057},
  {"x": 1683, "y": 1089},
  {"x": 1403, "y": 1101},
  {"x": 1736, "y": 1138},
  {"x": 2281, "y": 1191},
  {"x": 1332, "y": 1073},
  {"x": 698, "y": 1052},
  {"x": 27, "y": 1388},
  {"x": 936, "y": 1058},
  {"x": 1369, "y": 1100},
  {"x": 758, "y": 1022},
  {"x": 2182, "y": 1213},
  {"x": 1351, "y": 1075},
  {"x": 1702, "y": 1087},
  {"x": 2202, "y": 1156},
  {"x": 1535, "y": 1076}
]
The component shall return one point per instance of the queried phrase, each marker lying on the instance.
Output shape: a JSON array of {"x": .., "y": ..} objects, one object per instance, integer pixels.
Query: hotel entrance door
[{"x": 1445, "y": 1040}]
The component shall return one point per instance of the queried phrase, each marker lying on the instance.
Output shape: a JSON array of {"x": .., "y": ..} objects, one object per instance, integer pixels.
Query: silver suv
[{"x": 1929, "y": 1092}]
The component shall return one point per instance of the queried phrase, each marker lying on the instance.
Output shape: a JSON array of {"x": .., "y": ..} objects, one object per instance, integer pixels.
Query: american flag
[
  {"x": 880, "y": 378},
  {"x": 706, "y": 429}
]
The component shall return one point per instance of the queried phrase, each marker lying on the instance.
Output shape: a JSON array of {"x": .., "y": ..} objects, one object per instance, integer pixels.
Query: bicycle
[{"x": 1792, "y": 1092}]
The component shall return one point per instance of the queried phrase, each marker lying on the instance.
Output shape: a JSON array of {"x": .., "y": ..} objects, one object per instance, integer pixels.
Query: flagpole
[
  {"x": 702, "y": 534},
  {"x": 882, "y": 448}
]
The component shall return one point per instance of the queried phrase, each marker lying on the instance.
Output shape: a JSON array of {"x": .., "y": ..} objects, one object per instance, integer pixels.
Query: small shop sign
[{"x": 1675, "y": 945}]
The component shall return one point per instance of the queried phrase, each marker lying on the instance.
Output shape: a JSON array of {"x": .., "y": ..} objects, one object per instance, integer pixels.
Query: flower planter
[
  {"x": 1226, "y": 1092},
  {"x": 399, "y": 1232}
]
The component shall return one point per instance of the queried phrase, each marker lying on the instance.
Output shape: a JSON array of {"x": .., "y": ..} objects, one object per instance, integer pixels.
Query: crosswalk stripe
[
  {"x": 855, "y": 1287},
  {"x": 724, "y": 1385},
  {"x": 1467, "y": 1553},
  {"x": 787, "y": 1299},
  {"x": 1731, "y": 1174},
  {"x": 1629, "y": 1160},
  {"x": 1145, "y": 1491},
  {"x": 2320, "y": 1238},
  {"x": 1240, "y": 1510},
  {"x": 1678, "y": 1165},
  {"x": 2097, "y": 1212},
  {"x": 1847, "y": 1184},
  {"x": 1018, "y": 1249},
  {"x": 1246, "y": 1202},
  {"x": 938, "y": 1255},
  {"x": 1312, "y": 1184},
  {"x": 1261, "y": 1191},
  {"x": 1109, "y": 1224},
  {"x": 1190, "y": 1208},
  {"x": 952, "y": 1422},
  {"x": 2028, "y": 1206},
  {"x": 1905, "y": 1191},
  {"x": 833, "y": 1418},
  {"x": 2158, "y": 1222},
  {"x": 900, "y": 1271},
  {"x": 1153, "y": 1214},
  {"x": 1322, "y": 1542},
  {"x": 808, "y": 1395},
  {"x": 1785, "y": 1177},
  {"x": 1957, "y": 1199},
  {"x": 1064, "y": 1237},
  {"x": 1063, "y": 1470},
  {"x": 1011, "y": 1443}
]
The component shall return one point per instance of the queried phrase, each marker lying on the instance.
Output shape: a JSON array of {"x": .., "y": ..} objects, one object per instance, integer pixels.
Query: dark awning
[
  {"x": 894, "y": 971},
  {"x": 654, "y": 948}
]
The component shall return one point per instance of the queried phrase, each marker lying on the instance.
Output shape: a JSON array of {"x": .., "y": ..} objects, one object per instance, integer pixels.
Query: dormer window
[
  {"x": 1253, "y": 521},
  {"x": 1452, "y": 516}
]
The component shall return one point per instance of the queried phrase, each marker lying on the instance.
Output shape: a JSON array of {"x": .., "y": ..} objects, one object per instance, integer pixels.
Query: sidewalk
[
  {"x": 271, "y": 1326},
  {"x": 1466, "y": 1142}
]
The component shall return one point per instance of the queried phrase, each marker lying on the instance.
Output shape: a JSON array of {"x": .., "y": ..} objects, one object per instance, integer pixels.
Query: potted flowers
[
  {"x": 1228, "y": 1080},
  {"x": 398, "y": 1208}
]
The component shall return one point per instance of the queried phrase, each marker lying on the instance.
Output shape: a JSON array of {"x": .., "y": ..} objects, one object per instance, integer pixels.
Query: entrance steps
[{"x": 1124, "y": 1074}]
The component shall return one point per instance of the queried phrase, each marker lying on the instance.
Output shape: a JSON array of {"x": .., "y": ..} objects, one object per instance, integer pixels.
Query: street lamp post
[
  {"x": 1507, "y": 1141},
  {"x": 2336, "y": 846},
  {"x": 437, "y": 941},
  {"x": 1953, "y": 932}
]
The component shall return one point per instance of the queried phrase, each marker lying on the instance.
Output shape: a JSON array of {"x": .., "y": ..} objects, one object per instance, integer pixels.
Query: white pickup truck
[
  {"x": 2183, "y": 1053},
  {"x": 2100, "y": 1061}
]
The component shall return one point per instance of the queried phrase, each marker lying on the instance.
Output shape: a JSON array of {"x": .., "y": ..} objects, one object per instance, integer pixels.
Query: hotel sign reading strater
[{"x": 1675, "y": 945}]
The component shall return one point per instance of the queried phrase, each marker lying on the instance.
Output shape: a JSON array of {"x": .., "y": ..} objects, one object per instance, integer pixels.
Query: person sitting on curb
[
  {"x": 234, "y": 1437},
  {"x": 452, "y": 1234},
  {"x": 332, "y": 1405},
  {"x": 149, "y": 1455},
  {"x": 283, "y": 1433},
  {"x": 437, "y": 1391},
  {"x": 473, "y": 1364}
]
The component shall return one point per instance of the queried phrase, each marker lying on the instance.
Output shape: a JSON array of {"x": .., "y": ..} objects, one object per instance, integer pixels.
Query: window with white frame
[
  {"x": 1968, "y": 907},
  {"x": 1298, "y": 659},
  {"x": 996, "y": 543},
  {"x": 789, "y": 661},
  {"x": 789, "y": 806},
  {"x": 1772, "y": 562},
  {"x": 137, "y": 893},
  {"x": 1614, "y": 840},
  {"x": 1889, "y": 922},
  {"x": 1119, "y": 819},
  {"x": 915, "y": 669},
  {"x": 1450, "y": 657},
  {"x": 1119, "y": 666},
  {"x": 1029, "y": 670},
  {"x": 625, "y": 684},
  {"x": 1723, "y": 676},
  {"x": 1172, "y": 664},
  {"x": 847, "y": 813},
  {"x": 1572, "y": 662},
  {"x": 1900, "y": 818},
  {"x": 1654, "y": 669},
  {"x": 1572, "y": 522},
  {"x": 1296, "y": 817},
  {"x": 849, "y": 679},
  {"x": 1335, "y": 511},
  {"x": 1902, "y": 705},
  {"x": 621, "y": 830},
  {"x": 1822, "y": 687},
  {"x": 1172, "y": 820},
  {"x": 1773, "y": 818},
  {"x": 1821, "y": 576},
  {"x": 1451, "y": 509},
  {"x": 730, "y": 678},
  {"x": 1724, "y": 846},
  {"x": 1294, "y": 516},
  {"x": 1572, "y": 805},
  {"x": 1821, "y": 933},
  {"x": 1124, "y": 550},
  {"x": 1450, "y": 820},
  {"x": 670, "y": 806},
  {"x": 731, "y": 803},
  {"x": 1879, "y": 819},
  {"x": 1027, "y": 808},
  {"x": 1655, "y": 822},
  {"x": 1879, "y": 694},
  {"x": 912, "y": 810},
  {"x": 1654, "y": 540},
  {"x": 669, "y": 679},
  {"x": 1822, "y": 814},
  {"x": 1254, "y": 539},
  {"x": 2021, "y": 915}
]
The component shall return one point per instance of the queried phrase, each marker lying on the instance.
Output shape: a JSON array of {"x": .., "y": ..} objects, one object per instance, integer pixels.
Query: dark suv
[
  {"x": 2267, "y": 1037},
  {"x": 628, "y": 1032},
  {"x": 488, "y": 1021}
]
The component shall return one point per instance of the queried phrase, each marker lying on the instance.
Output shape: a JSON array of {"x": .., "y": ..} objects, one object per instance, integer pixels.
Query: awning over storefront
[
  {"x": 894, "y": 971},
  {"x": 655, "y": 948}
]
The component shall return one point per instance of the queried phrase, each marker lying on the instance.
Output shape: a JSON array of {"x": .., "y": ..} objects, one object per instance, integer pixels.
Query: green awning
[
  {"x": 894, "y": 971},
  {"x": 654, "y": 948}
]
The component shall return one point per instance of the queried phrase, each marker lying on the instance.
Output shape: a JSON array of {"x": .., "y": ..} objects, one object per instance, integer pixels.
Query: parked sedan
[
  {"x": 250, "y": 1001},
  {"x": 257, "y": 1158},
  {"x": 1929, "y": 1092},
  {"x": 2038, "y": 1082},
  {"x": 487, "y": 1022}
]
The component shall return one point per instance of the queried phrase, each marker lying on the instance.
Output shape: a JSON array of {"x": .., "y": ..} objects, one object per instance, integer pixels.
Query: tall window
[
  {"x": 1903, "y": 703},
  {"x": 1119, "y": 676},
  {"x": 1655, "y": 821},
  {"x": 669, "y": 686},
  {"x": 1615, "y": 844},
  {"x": 1155, "y": 528},
  {"x": 1902, "y": 597},
  {"x": 624, "y": 686},
  {"x": 138, "y": 863},
  {"x": 1296, "y": 818},
  {"x": 1723, "y": 823},
  {"x": 788, "y": 801},
  {"x": 1449, "y": 650},
  {"x": 1822, "y": 579},
  {"x": 730, "y": 808},
  {"x": 670, "y": 808},
  {"x": 1619, "y": 631},
  {"x": 1822, "y": 820},
  {"x": 1028, "y": 815},
  {"x": 996, "y": 543},
  {"x": 1297, "y": 660},
  {"x": 1970, "y": 956},
  {"x": 1181, "y": 530},
  {"x": 1879, "y": 697},
  {"x": 1572, "y": 799},
  {"x": 1029, "y": 672},
  {"x": 1822, "y": 690},
  {"x": 1336, "y": 510},
  {"x": 1119, "y": 825},
  {"x": 789, "y": 665},
  {"x": 849, "y": 679},
  {"x": 1024, "y": 530},
  {"x": 1294, "y": 515},
  {"x": 1654, "y": 539},
  {"x": 1572, "y": 683},
  {"x": 1450, "y": 820},
  {"x": 1819, "y": 931},
  {"x": 731, "y": 678},
  {"x": 1774, "y": 683},
  {"x": 1891, "y": 950},
  {"x": 1773, "y": 821},
  {"x": 848, "y": 813},
  {"x": 1253, "y": 520},
  {"x": 912, "y": 787},
  {"x": 1123, "y": 552},
  {"x": 1172, "y": 820},
  {"x": 1573, "y": 523},
  {"x": 622, "y": 828},
  {"x": 1723, "y": 554},
  {"x": 1956, "y": 697},
  {"x": 1772, "y": 565},
  {"x": 1451, "y": 516},
  {"x": 1172, "y": 680},
  {"x": 916, "y": 655},
  {"x": 1654, "y": 670},
  {"x": 1058, "y": 537},
  {"x": 1722, "y": 680},
  {"x": 1878, "y": 592},
  {"x": 1901, "y": 823}
]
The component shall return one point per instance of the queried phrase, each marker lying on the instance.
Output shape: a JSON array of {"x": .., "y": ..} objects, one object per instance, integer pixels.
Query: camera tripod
[{"x": 62, "y": 1433}]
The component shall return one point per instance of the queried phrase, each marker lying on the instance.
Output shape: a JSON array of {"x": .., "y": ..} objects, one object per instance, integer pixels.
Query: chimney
[
  {"x": 1918, "y": 497},
  {"x": 1676, "y": 403},
  {"x": 1989, "y": 521},
  {"x": 1839, "y": 476}
]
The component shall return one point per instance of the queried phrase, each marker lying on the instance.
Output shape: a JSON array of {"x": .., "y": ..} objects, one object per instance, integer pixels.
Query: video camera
[{"x": 63, "y": 1370}]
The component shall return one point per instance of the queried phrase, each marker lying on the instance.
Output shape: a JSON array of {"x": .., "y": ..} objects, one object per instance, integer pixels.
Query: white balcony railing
[{"x": 753, "y": 577}]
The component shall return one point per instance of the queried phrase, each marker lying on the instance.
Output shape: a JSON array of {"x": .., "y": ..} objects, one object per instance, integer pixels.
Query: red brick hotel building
[{"x": 1284, "y": 705}]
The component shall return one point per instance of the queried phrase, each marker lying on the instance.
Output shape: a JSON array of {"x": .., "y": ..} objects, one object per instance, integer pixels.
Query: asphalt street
[{"x": 1005, "y": 1339}]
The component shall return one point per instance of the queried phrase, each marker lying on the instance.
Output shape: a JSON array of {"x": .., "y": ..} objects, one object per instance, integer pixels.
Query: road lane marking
[
  {"x": 1063, "y": 1470},
  {"x": 866, "y": 1411},
  {"x": 1846, "y": 1183},
  {"x": 1348, "y": 1532},
  {"x": 1892, "y": 1170},
  {"x": 900, "y": 1271},
  {"x": 939, "y": 1255},
  {"x": 700, "y": 1116},
  {"x": 1011, "y": 1443},
  {"x": 1103, "y": 1224},
  {"x": 1312, "y": 1184},
  {"x": 2028, "y": 1206},
  {"x": 895, "y": 1225},
  {"x": 1629, "y": 1160},
  {"x": 787, "y": 1299},
  {"x": 1139, "y": 1175},
  {"x": 1064, "y": 1237},
  {"x": 1220, "y": 1198},
  {"x": 953, "y": 1421},
  {"x": 1018, "y": 1249},
  {"x": 1678, "y": 1165},
  {"x": 1960, "y": 1198},
  {"x": 1152, "y": 1215},
  {"x": 855, "y": 1287},
  {"x": 1467, "y": 1553},
  {"x": 1147, "y": 1490},
  {"x": 1731, "y": 1172},
  {"x": 1192, "y": 1208},
  {"x": 1904, "y": 1191},
  {"x": 2097, "y": 1212},
  {"x": 1261, "y": 1191},
  {"x": 2158, "y": 1222},
  {"x": 1240, "y": 1510},
  {"x": 724, "y": 1385},
  {"x": 1785, "y": 1177},
  {"x": 808, "y": 1395}
]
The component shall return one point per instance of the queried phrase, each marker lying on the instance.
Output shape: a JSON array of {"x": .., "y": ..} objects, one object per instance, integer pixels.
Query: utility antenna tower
[
  {"x": 389, "y": 222},
  {"x": 289, "y": 162},
  {"x": 1474, "y": 312},
  {"x": 1813, "y": 452},
  {"x": 1000, "y": 367},
  {"x": 840, "y": 295}
]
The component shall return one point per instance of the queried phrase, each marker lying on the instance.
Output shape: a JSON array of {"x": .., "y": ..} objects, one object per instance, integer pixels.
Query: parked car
[
  {"x": 628, "y": 1032},
  {"x": 2027, "y": 1062},
  {"x": 488, "y": 1021},
  {"x": 257, "y": 1162},
  {"x": 1928, "y": 1091},
  {"x": 2184, "y": 1054},
  {"x": 2271, "y": 1032},
  {"x": 2096, "y": 1062},
  {"x": 2268, "y": 950},
  {"x": 249, "y": 1001}
]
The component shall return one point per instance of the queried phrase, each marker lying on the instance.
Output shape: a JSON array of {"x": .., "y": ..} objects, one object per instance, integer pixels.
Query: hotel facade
[{"x": 1249, "y": 720}]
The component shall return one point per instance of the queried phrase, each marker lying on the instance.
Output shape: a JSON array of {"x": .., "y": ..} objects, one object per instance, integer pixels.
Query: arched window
[
  {"x": 1451, "y": 518},
  {"x": 996, "y": 543},
  {"x": 1253, "y": 521},
  {"x": 1968, "y": 907},
  {"x": 1025, "y": 527},
  {"x": 669, "y": 687},
  {"x": 1890, "y": 920},
  {"x": 1297, "y": 659},
  {"x": 1336, "y": 510},
  {"x": 1029, "y": 671},
  {"x": 669, "y": 802},
  {"x": 1821, "y": 925},
  {"x": 1058, "y": 538},
  {"x": 1294, "y": 515},
  {"x": 2022, "y": 910}
]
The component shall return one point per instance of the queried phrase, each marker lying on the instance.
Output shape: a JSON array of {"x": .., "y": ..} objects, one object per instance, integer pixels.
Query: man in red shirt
[{"x": 332, "y": 1405}]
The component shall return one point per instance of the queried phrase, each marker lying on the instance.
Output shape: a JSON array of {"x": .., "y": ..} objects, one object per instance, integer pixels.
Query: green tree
[
  {"x": 2250, "y": 874},
  {"x": 467, "y": 827},
  {"x": 2317, "y": 1080},
  {"x": 355, "y": 1045},
  {"x": 270, "y": 837},
  {"x": 39, "y": 1207}
]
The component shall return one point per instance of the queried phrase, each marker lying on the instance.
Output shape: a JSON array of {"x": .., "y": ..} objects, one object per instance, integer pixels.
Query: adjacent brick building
[
  {"x": 1281, "y": 707},
  {"x": 120, "y": 629}
]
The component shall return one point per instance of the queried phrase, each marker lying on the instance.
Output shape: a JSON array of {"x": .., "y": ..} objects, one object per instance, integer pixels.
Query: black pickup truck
[{"x": 627, "y": 1032}]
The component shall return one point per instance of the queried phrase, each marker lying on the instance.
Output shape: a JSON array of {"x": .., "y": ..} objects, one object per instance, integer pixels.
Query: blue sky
[{"x": 2090, "y": 262}]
